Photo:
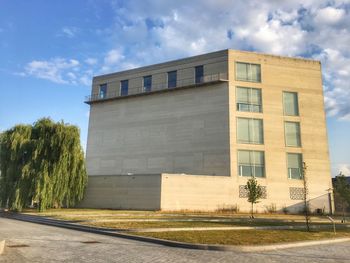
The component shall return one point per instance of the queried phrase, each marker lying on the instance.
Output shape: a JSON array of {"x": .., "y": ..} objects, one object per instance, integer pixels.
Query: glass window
[
  {"x": 124, "y": 87},
  {"x": 199, "y": 74},
  {"x": 248, "y": 99},
  {"x": 147, "y": 83},
  {"x": 295, "y": 165},
  {"x": 172, "y": 77},
  {"x": 292, "y": 134},
  {"x": 250, "y": 131},
  {"x": 248, "y": 72},
  {"x": 290, "y": 103},
  {"x": 103, "y": 91},
  {"x": 251, "y": 163}
]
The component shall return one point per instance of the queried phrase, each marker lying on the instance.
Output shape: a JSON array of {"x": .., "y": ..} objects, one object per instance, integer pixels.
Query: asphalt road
[{"x": 28, "y": 242}]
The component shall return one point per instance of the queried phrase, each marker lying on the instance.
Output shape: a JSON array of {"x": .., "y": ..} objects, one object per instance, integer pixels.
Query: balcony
[{"x": 156, "y": 88}]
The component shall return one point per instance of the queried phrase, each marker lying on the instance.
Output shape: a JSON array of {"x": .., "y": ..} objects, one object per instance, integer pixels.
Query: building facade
[{"x": 187, "y": 134}]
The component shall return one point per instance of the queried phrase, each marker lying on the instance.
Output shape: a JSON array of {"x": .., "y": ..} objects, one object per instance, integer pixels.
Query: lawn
[
  {"x": 122, "y": 219},
  {"x": 244, "y": 237},
  {"x": 136, "y": 221}
]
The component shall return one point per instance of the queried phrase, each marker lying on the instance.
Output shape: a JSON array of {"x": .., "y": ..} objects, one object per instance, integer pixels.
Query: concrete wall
[
  {"x": 140, "y": 192},
  {"x": 196, "y": 192},
  {"x": 176, "y": 192},
  {"x": 185, "y": 131},
  {"x": 211, "y": 193}
]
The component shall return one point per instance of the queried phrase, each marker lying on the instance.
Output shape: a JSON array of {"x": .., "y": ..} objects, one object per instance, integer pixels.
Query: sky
[{"x": 50, "y": 50}]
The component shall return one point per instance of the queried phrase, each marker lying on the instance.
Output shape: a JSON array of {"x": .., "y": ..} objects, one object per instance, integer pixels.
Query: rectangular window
[
  {"x": 251, "y": 163},
  {"x": 172, "y": 78},
  {"x": 147, "y": 83},
  {"x": 292, "y": 134},
  {"x": 124, "y": 88},
  {"x": 199, "y": 74},
  {"x": 250, "y": 131},
  {"x": 295, "y": 165},
  {"x": 290, "y": 103},
  {"x": 248, "y": 72},
  {"x": 248, "y": 99},
  {"x": 103, "y": 91}
]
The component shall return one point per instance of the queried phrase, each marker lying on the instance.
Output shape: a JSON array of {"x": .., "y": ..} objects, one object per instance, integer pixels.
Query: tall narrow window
[
  {"x": 290, "y": 103},
  {"x": 103, "y": 91},
  {"x": 199, "y": 74},
  {"x": 251, "y": 163},
  {"x": 292, "y": 134},
  {"x": 248, "y": 72},
  {"x": 147, "y": 83},
  {"x": 124, "y": 87},
  {"x": 250, "y": 131},
  {"x": 172, "y": 78},
  {"x": 295, "y": 165},
  {"x": 248, "y": 99}
]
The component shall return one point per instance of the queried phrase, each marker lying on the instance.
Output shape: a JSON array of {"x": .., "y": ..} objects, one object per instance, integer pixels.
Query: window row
[
  {"x": 252, "y": 163},
  {"x": 147, "y": 82},
  {"x": 250, "y": 100},
  {"x": 251, "y": 131}
]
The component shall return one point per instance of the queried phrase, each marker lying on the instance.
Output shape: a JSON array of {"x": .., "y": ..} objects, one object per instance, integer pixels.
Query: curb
[
  {"x": 115, "y": 233},
  {"x": 2, "y": 246}
]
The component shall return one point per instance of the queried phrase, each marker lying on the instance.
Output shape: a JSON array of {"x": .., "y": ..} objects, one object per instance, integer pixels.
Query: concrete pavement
[{"x": 28, "y": 242}]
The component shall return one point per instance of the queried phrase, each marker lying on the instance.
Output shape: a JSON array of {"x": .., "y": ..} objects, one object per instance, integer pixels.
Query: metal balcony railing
[{"x": 181, "y": 83}]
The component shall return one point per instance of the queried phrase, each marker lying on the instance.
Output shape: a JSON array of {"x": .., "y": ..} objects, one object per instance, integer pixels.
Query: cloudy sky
[{"x": 49, "y": 50}]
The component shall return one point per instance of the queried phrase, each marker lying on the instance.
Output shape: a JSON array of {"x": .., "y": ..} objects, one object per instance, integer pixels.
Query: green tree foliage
[
  {"x": 254, "y": 193},
  {"x": 43, "y": 163},
  {"x": 342, "y": 192}
]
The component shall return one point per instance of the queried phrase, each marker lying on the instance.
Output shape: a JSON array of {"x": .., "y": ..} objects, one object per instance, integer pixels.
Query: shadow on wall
[{"x": 319, "y": 205}]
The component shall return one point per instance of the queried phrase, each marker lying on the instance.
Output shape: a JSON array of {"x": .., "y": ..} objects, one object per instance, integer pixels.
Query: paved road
[{"x": 52, "y": 244}]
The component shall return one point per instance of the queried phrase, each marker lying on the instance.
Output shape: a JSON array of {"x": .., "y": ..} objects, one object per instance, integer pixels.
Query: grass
[
  {"x": 244, "y": 237},
  {"x": 135, "y": 221},
  {"x": 190, "y": 224},
  {"x": 125, "y": 219}
]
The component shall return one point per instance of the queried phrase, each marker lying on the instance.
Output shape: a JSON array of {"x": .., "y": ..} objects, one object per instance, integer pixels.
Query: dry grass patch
[{"x": 244, "y": 237}]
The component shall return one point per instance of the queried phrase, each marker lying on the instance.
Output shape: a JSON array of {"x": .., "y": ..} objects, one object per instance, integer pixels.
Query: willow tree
[
  {"x": 43, "y": 163},
  {"x": 15, "y": 182}
]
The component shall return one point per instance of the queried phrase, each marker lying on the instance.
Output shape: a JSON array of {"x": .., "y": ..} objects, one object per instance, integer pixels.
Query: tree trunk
[{"x": 252, "y": 211}]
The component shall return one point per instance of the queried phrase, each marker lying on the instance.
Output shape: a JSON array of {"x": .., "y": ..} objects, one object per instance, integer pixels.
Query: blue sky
[{"x": 49, "y": 50}]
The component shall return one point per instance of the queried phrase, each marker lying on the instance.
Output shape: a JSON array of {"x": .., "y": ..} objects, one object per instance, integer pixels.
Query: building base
[{"x": 179, "y": 192}]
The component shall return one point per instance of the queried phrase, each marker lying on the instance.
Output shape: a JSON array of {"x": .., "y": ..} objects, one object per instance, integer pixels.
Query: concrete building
[{"x": 187, "y": 134}]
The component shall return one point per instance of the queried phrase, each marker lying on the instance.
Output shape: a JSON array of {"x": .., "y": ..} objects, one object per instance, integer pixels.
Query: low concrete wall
[
  {"x": 191, "y": 192},
  {"x": 196, "y": 192},
  {"x": 140, "y": 192}
]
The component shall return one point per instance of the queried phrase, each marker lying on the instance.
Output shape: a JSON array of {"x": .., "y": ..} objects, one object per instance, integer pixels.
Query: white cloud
[
  {"x": 51, "y": 70},
  {"x": 69, "y": 31},
  {"x": 113, "y": 57},
  {"x": 86, "y": 79},
  {"x": 344, "y": 169},
  {"x": 59, "y": 70},
  {"x": 329, "y": 15},
  {"x": 91, "y": 61}
]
